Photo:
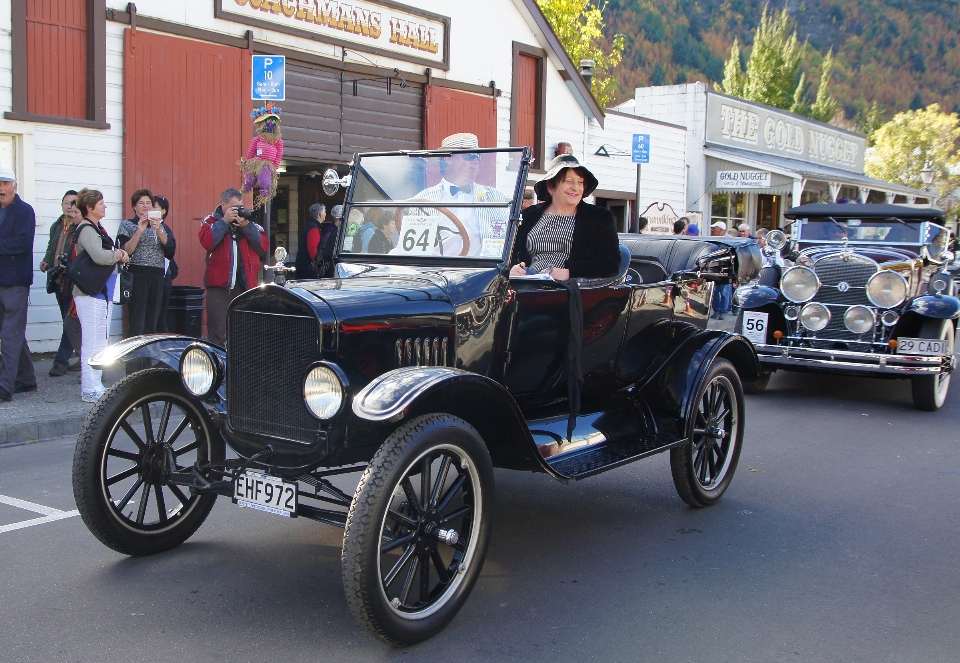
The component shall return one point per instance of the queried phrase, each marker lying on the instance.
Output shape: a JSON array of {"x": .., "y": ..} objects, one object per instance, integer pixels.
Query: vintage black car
[
  {"x": 867, "y": 294},
  {"x": 423, "y": 371}
]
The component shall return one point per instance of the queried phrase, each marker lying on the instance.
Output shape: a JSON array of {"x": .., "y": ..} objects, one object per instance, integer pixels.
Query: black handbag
[
  {"x": 125, "y": 283},
  {"x": 87, "y": 275}
]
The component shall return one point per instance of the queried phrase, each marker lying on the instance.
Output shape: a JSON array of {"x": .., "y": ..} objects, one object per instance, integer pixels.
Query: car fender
[
  {"x": 405, "y": 393},
  {"x": 931, "y": 306},
  {"x": 164, "y": 348},
  {"x": 756, "y": 296},
  {"x": 672, "y": 390}
]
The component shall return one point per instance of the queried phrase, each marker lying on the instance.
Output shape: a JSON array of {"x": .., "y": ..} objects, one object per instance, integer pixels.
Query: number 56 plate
[{"x": 263, "y": 492}]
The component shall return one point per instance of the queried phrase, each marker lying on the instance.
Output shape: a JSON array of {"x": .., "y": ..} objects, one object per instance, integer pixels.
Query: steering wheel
[{"x": 398, "y": 219}]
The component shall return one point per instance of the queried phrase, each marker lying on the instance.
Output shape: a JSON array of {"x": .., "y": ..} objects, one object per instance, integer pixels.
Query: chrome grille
[
  {"x": 421, "y": 352},
  {"x": 267, "y": 360},
  {"x": 851, "y": 269}
]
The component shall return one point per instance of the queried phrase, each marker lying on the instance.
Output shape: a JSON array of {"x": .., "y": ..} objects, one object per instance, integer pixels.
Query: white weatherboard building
[
  {"x": 748, "y": 163},
  {"x": 116, "y": 95}
]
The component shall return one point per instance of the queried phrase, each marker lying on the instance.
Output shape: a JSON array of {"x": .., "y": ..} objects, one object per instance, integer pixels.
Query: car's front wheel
[
  {"x": 930, "y": 391},
  {"x": 702, "y": 468},
  {"x": 418, "y": 529}
]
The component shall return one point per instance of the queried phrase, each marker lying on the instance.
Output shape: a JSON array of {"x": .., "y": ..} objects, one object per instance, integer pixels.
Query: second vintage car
[
  {"x": 421, "y": 371},
  {"x": 867, "y": 294}
]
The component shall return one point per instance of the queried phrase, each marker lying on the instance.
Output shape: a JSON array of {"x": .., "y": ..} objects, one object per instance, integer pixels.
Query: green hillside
[{"x": 899, "y": 53}]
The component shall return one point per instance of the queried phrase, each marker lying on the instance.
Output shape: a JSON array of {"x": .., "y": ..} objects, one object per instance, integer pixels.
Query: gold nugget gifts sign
[{"x": 382, "y": 28}]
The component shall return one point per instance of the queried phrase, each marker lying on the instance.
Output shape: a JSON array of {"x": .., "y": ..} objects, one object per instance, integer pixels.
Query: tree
[
  {"x": 915, "y": 140},
  {"x": 578, "y": 25},
  {"x": 773, "y": 75}
]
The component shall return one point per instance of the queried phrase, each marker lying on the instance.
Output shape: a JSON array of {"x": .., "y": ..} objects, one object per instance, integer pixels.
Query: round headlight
[
  {"x": 322, "y": 392},
  {"x": 889, "y": 318},
  {"x": 791, "y": 313},
  {"x": 886, "y": 289},
  {"x": 859, "y": 319},
  {"x": 814, "y": 316},
  {"x": 197, "y": 371},
  {"x": 799, "y": 284},
  {"x": 776, "y": 239}
]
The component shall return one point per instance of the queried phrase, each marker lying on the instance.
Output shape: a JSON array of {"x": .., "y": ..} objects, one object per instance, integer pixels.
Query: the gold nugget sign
[{"x": 406, "y": 32}]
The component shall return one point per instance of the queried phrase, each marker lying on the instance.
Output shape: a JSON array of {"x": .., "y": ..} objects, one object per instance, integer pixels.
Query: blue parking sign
[
  {"x": 640, "y": 152},
  {"x": 268, "y": 78}
]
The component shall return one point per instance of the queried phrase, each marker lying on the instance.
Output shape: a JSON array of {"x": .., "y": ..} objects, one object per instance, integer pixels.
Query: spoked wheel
[
  {"x": 144, "y": 428},
  {"x": 703, "y": 468},
  {"x": 418, "y": 529},
  {"x": 930, "y": 391}
]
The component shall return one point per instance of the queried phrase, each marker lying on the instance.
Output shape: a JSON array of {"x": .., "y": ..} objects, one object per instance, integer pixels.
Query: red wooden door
[
  {"x": 186, "y": 108},
  {"x": 57, "y": 58},
  {"x": 449, "y": 112}
]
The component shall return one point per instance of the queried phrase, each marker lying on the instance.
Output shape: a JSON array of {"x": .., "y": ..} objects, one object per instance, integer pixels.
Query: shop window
[
  {"x": 59, "y": 62},
  {"x": 850, "y": 194},
  {"x": 527, "y": 109},
  {"x": 730, "y": 208}
]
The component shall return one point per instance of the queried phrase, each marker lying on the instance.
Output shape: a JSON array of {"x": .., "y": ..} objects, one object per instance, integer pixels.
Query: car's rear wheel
[
  {"x": 418, "y": 529},
  {"x": 703, "y": 468},
  {"x": 930, "y": 391},
  {"x": 144, "y": 428}
]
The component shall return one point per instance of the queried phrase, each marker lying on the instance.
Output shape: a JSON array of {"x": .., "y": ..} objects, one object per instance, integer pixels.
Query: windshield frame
[
  {"x": 513, "y": 220},
  {"x": 802, "y": 222}
]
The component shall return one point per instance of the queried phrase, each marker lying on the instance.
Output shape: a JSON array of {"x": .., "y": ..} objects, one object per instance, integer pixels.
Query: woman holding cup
[{"x": 146, "y": 241}]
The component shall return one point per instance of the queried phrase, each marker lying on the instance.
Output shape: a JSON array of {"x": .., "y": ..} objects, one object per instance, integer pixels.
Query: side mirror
[
  {"x": 776, "y": 239},
  {"x": 332, "y": 181},
  {"x": 280, "y": 255}
]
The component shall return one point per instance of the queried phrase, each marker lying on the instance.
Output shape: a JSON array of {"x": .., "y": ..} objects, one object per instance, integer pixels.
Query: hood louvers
[{"x": 421, "y": 352}]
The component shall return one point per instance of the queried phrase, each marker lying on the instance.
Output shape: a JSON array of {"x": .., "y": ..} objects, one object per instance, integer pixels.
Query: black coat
[{"x": 594, "y": 250}]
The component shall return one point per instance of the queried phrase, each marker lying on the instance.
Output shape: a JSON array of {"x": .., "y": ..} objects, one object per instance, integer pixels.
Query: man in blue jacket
[{"x": 18, "y": 225}]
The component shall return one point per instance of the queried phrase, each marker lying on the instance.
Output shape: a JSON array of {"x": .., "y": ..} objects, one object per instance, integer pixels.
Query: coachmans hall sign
[
  {"x": 383, "y": 28},
  {"x": 741, "y": 124}
]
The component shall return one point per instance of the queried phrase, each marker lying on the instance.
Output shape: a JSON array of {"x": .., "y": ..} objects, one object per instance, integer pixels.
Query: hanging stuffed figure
[{"x": 259, "y": 168}]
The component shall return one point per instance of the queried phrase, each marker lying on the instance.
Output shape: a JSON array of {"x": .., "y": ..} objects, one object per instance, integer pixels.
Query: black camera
[
  {"x": 247, "y": 214},
  {"x": 59, "y": 267}
]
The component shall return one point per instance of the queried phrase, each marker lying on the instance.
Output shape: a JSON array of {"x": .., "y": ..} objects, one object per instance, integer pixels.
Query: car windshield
[
  {"x": 857, "y": 230},
  {"x": 420, "y": 206}
]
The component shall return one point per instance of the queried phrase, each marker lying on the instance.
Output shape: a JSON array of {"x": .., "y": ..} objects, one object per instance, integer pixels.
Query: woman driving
[{"x": 564, "y": 236}]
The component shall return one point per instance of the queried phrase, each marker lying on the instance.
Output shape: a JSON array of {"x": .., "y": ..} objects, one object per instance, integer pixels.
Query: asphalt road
[{"x": 837, "y": 541}]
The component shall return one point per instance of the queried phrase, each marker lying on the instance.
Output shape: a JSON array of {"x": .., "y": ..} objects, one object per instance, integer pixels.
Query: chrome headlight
[
  {"x": 799, "y": 284},
  {"x": 886, "y": 289},
  {"x": 859, "y": 319},
  {"x": 889, "y": 318},
  {"x": 814, "y": 316},
  {"x": 791, "y": 313},
  {"x": 200, "y": 371},
  {"x": 322, "y": 392},
  {"x": 776, "y": 239}
]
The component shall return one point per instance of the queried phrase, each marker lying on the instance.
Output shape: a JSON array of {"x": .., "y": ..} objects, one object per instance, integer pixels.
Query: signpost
[
  {"x": 639, "y": 154},
  {"x": 268, "y": 83}
]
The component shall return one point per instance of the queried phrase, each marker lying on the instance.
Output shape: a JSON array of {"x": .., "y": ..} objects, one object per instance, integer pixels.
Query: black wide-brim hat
[{"x": 559, "y": 164}]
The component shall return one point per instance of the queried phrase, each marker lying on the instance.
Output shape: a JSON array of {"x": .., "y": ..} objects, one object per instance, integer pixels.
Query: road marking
[{"x": 48, "y": 514}]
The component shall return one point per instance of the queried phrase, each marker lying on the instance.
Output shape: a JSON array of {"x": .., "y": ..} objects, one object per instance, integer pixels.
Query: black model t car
[
  {"x": 868, "y": 294},
  {"x": 422, "y": 368}
]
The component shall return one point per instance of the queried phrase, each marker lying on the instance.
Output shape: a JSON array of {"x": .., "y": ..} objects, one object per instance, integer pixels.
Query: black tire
[
  {"x": 758, "y": 386},
  {"x": 109, "y": 440},
  {"x": 702, "y": 468},
  {"x": 930, "y": 391},
  {"x": 387, "y": 507}
]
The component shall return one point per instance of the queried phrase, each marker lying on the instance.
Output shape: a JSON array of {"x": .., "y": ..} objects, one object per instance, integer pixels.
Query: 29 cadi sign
[{"x": 383, "y": 28}]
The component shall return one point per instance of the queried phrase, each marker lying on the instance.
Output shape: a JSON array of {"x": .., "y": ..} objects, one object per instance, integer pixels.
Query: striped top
[{"x": 549, "y": 242}]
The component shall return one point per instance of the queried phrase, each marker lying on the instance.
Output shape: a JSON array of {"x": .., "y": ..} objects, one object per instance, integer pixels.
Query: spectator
[
  {"x": 369, "y": 226},
  {"x": 693, "y": 230},
  {"x": 381, "y": 242},
  {"x": 310, "y": 240},
  {"x": 686, "y": 223},
  {"x": 679, "y": 227},
  {"x": 336, "y": 214},
  {"x": 642, "y": 224},
  {"x": 96, "y": 310},
  {"x": 528, "y": 198},
  {"x": 171, "y": 269},
  {"x": 743, "y": 230},
  {"x": 236, "y": 248},
  {"x": 60, "y": 233},
  {"x": 149, "y": 246},
  {"x": 722, "y": 294},
  {"x": 18, "y": 225}
]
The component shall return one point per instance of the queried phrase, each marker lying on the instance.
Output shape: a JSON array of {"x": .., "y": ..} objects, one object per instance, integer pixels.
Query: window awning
[{"x": 796, "y": 169}]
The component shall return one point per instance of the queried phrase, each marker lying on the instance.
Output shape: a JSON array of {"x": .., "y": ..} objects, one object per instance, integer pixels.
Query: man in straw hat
[{"x": 486, "y": 228}]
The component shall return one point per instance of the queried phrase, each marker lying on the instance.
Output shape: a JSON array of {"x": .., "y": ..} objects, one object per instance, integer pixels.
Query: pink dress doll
[{"x": 259, "y": 167}]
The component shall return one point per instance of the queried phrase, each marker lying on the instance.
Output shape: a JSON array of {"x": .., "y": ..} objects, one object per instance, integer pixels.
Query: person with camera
[
  {"x": 236, "y": 248},
  {"x": 95, "y": 307},
  {"x": 162, "y": 205},
  {"x": 53, "y": 265},
  {"x": 146, "y": 241}
]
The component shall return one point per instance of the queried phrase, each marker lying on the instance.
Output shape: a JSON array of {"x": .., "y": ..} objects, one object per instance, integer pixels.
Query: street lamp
[{"x": 926, "y": 176}]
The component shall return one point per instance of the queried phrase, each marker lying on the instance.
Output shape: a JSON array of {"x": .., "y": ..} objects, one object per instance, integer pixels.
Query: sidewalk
[{"x": 54, "y": 411}]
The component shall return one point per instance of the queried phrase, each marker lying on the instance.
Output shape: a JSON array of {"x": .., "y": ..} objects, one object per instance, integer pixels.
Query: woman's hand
[
  {"x": 143, "y": 223},
  {"x": 557, "y": 274},
  {"x": 519, "y": 270}
]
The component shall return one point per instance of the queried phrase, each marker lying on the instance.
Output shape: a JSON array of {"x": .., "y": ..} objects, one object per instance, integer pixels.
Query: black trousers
[{"x": 145, "y": 300}]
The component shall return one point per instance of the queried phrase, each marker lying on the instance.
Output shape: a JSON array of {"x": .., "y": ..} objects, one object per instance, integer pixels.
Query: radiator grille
[
  {"x": 853, "y": 270},
  {"x": 267, "y": 359}
]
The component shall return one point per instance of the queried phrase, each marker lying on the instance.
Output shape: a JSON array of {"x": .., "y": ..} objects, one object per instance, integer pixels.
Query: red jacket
[{"x": 217, "y": 237}]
